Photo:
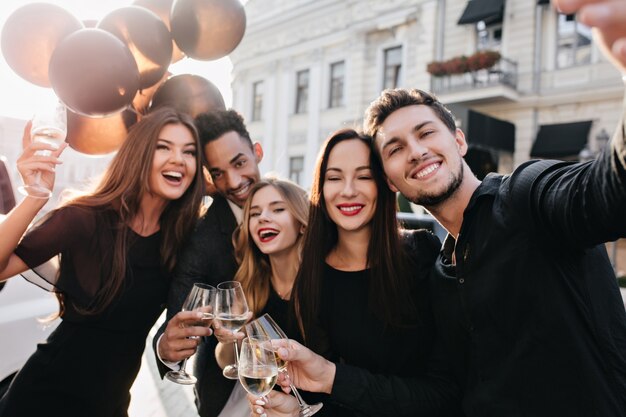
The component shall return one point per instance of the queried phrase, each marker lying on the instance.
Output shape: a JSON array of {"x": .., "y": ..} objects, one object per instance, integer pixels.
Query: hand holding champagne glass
[
  {"x": 231, "y": 312},
  {"x": 50, "y": 127},
  {"x": 201, "y": 298},
  {"x": 257, "y": 366},
  {"x": 265, "y": 326}
]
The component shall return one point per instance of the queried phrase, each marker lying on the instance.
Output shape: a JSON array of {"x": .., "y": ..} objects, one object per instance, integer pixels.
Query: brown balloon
[
  {"x": 30, "y": 36},
  {"x": 142, "y": 99},
  {"x": 147, "y": 37},
  {"x": 189, "y": 94},
  {"x": 207, "y": 29},
  {"x": 98, "y": 136},
  {"x": 162, "y": 8},
  {"x": 94, "y": 73}
]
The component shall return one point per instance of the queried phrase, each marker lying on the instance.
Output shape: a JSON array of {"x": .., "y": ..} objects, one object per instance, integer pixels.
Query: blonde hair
[{"x": 255, "y": 272}]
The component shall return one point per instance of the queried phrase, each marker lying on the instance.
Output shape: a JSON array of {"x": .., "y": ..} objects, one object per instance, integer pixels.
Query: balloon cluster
[{"x": 110, "y": 72}]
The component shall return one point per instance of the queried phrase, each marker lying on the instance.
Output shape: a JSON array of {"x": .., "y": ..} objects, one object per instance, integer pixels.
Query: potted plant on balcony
[{"x": 462, "y": 64}]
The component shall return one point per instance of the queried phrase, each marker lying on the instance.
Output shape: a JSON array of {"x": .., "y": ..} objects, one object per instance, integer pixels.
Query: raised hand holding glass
[
  {"x": 231, "y": 312},
  {"x": 201, "y": 298}
]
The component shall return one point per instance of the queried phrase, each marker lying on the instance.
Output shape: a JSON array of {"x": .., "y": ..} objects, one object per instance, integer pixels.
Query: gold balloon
[
  {"x": 147, "y": 38},
  {"x": 94, "y": 73},
  {"x": 162, "y": 8},
  {"x": 189, "y": 94},
  {"x": 98, "y": 136},
  {"x": 207, "y": 29},
  {"x": 31, "y": 34}
]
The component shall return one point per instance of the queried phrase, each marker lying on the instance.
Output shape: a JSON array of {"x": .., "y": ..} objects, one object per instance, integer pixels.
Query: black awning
[
  {"x": 490, "y": 11},
  {"x": 489, "y": 132},
  {"x": 543, "y": 1},
  {"x": 560, "y": 140}
]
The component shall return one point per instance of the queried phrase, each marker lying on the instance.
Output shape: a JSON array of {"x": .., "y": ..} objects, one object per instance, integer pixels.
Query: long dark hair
[
  {"x": 121, "y": 189},
  {"x": 387, "y": 262}
]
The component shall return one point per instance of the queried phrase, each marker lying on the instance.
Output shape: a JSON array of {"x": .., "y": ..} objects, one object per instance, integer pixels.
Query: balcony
[{"x": 498, "y": 82}]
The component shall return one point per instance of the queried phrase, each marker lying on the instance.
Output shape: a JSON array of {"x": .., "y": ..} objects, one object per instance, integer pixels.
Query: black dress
[
  {"x": 88, "y": 364},
  {"x": 359, "y": 338}
]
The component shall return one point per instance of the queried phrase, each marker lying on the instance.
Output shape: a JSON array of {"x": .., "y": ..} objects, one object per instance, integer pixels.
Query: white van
[{"x": 23, "y": 306}]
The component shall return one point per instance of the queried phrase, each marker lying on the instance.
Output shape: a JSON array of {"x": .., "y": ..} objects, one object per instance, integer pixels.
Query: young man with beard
[
  {"x": 232, "y": 161},
  {"x": 524, "y": 294}
]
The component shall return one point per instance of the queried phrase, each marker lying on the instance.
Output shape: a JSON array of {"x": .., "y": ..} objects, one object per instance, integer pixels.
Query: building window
[
  {"x": 296, "y": 166},
  {"x": 335, "y": 97},
  {"x": 257, "y": 100},
  {"x": 302, "y": 91},
  {"x": 573, "y": 42},
  {"x": 393, "y": 67},
  {"x": 488, "y": 37}
]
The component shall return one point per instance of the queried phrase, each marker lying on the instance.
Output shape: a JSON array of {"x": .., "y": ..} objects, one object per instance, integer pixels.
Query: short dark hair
[
  {"x": 394, "y": 99},
  {"x": 213, "y": 124}
]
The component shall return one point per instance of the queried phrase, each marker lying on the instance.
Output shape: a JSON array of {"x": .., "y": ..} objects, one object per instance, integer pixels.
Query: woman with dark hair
[
  {"x": 362, "y": 292},
  {"x": 117, "y": 246}
]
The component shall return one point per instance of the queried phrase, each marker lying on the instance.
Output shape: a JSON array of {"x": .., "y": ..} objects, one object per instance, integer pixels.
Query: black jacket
[
  {"x": 532, "y": 314},
  {"x": 208, "y": 257}
]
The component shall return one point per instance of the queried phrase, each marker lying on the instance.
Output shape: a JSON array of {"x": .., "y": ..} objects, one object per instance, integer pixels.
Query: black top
[
  {"x": 373, "y": 356},
  {"x": 532, "y": 312},
  {"x": 208, "y": 257},
  {"x": 88, "y": 363}
]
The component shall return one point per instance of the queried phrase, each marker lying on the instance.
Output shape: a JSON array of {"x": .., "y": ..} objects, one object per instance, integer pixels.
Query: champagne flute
[
  {"x": 265, "y": 326},
  {"x": 257, "y": 366},
  {"x": 201, "y": 298},
  {"x": 231, "y": 312},
  {"x": 48, "y": 126}
]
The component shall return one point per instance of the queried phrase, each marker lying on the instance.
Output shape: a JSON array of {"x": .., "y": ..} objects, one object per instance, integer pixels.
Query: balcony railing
[{"x": 504, "y": 72}]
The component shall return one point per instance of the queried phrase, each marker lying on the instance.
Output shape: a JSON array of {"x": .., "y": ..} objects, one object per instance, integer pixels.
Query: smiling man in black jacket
[{"x": 524, "y": 293}]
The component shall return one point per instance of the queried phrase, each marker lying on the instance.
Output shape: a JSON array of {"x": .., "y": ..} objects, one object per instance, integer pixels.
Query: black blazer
[{"x": 207, "y": 257}]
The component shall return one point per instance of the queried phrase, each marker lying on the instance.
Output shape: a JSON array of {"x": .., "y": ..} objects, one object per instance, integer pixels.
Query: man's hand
[
  {"x": 181, "y": 337},
  {"x": 608, "y": 18},
  {"x": 306, "y": 369}
]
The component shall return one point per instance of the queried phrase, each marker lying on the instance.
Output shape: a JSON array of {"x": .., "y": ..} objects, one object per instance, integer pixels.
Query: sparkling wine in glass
[
  {"x": 257, "y": 366},
  {"x": 201, "y": 298},
  {"x": 231, "y": 312},
  {"x": 265, "y": 326},
  {"x": 48, "y": 126}
]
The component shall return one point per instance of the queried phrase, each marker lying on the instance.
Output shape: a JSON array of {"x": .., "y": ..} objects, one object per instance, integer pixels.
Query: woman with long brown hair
[{"x": 117, "y": 246}]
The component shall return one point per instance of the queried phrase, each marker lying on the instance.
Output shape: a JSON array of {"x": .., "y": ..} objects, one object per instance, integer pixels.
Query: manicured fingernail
[
  {"x": 263, "y": 415},
  {"x": 259, "y": 410},
  {"x": 259, "y": 402}
]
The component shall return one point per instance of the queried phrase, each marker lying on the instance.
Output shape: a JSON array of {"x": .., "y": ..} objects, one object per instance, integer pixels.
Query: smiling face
[
  {"x": 421, "y": 157},
  {"x": 349, "y": 188},
  {"x": 174, "y": 162},
  {"x": 273, "y": 228},
  {"x": 233, "y": 165}
]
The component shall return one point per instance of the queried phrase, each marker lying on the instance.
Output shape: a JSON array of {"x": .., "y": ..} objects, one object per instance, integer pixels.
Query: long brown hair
[
  {"x": 122, "y": 187},
  {"x": 386, "y": 261},
  {"x": 255, "y": 272}
]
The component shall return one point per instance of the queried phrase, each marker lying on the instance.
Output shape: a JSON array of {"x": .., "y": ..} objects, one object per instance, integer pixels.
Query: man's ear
[
  {"x": 391, "y": 186},
  {"x": 461, "y": 142},
  {"x": 258, "y": 151}
]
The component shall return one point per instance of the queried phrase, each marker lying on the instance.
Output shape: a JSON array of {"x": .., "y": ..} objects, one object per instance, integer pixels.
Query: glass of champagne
[
  {"x": 201, "y": 298},
  {"x": 257, "y": 366},
  {"x": 48, "y": 126},
  {"x": 231, "y": 312},
  {"x": 265, "y": 326}
]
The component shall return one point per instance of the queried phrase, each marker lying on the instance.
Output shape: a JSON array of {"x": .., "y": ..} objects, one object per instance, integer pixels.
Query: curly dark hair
[{"x": 213, "y": 124}]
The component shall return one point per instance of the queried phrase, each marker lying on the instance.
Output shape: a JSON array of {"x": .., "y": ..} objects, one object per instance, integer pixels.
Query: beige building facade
[{"x": 308, "y": 67}]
